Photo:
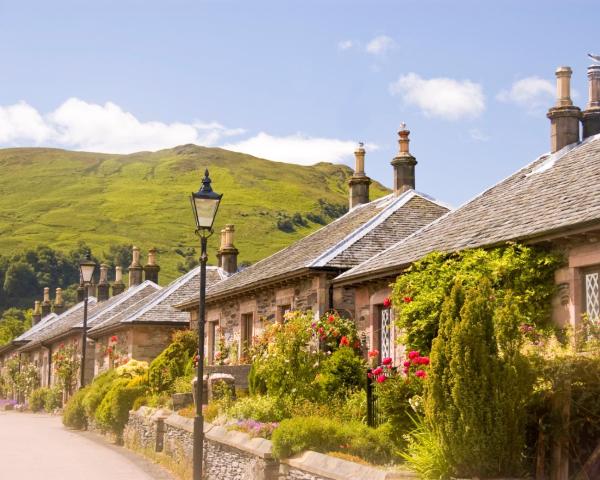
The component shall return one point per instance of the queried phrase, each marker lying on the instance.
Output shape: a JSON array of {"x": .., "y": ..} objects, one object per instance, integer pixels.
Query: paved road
[{"x": 37, "y": 446}]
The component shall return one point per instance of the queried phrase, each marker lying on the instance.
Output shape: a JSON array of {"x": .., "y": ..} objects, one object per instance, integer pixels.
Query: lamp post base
[{"x": 198, "y": 449}]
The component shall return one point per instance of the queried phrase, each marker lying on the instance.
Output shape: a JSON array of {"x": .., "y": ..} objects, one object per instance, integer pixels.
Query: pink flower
[
  {"x": 378, "y": 371},
  {"x": 387, "y": 302},
  {"x": 381, "y": 379},
  {"x": 374, "y": 353},
  {"x": 413, "y": 354},
  {"x": 423, "y": 360},
  {"x": 406, "y": 363},
  {"x": 420, "y": 374},
  {"x": 406, "y": 370},
  {"x": 321, "y": 330},
  {"x": 387, "y": 361}
]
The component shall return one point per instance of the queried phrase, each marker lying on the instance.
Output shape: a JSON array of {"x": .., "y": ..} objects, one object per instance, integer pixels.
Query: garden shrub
[
  {"x": 262, "y": 408},
  {"x": 183, "y": 384},
  {"x": 132, "y": 369},
  {"x": 37, "y": 399},
  {"x": 74, "y": 415},
  {"x": 53, "y": 399},
  {"x": 173, "y": 362},
  {"x": 256, "y": 384},
  {"x": 140, "y": 402},
  {"x": 419, "y": 293},
  {"x": 341, "y": 373},
  {"x": 324, "y": 435},
  {"x": 476, "y": 394},
  {"x": 113, "y": 413},
  {"x": 97, "y": 390}
]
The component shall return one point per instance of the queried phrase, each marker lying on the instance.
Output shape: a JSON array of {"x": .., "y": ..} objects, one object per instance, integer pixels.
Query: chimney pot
[
  {"x": 404, "y": 164},
  {"x": 118, "y": 286},
  {"x": 591, "y": 115},
  {"x": 46, "y": 305},
  {"x": 37, "y": 313},
  {"x": 103, "y": 286},
  {"x": 358, "y": 184},
  {"x": 59, "y": 306},
  {"x": 228, "y": 251},
  {"x": 135, "y": 269},
  {"x": 564, "y": 117},
  {"x": 151, "y": 269}
]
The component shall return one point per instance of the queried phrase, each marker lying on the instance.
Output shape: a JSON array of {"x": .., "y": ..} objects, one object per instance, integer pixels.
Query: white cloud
[
  {"x": 380, "y": 45},
  {"x": 298, "y": 148},
  {"x": 441, "y": 97},
  {"x": 531, "y": 93},
  {"x": 478, "y": 135},
  {"x": 108, "y": 128},
  {"x": 345, "y": 44},
  {"x": 103, "y": 128}
]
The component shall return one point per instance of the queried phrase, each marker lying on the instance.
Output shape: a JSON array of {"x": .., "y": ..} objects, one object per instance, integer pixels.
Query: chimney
[
  {"x": 591, "y": 115},
  {"x": 118, "y": 286},
  {"x": 564, "y": 117},
  {"x": 80, "y": 293},
  {"x": 151, "y": 269},
  {"x": 103, "y": 286},
  {"x": 404, "y": 164},
  {"x": 228, "y": 251},
  {"x": 59, "y": 304},
  {"x": 135, "y": 269},
  {"x": 358, "y": 185},
  {"x": 46, "y": 305},
  {"x": 219, "y": 259},
  {"x": 37, "y": 313}
]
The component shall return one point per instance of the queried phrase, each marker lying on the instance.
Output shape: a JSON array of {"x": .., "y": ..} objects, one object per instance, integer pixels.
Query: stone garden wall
[{"x": 234, "y": 455}]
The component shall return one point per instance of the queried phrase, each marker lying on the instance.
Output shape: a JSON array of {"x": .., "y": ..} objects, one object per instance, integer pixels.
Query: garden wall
[{"x": 235, "y": 455}]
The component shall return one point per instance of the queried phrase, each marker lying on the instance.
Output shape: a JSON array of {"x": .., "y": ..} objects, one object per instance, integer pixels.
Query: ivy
[{"x": 526, "y": 272}]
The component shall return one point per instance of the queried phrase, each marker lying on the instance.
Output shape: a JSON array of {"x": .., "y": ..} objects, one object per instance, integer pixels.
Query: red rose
[
  {"x": 387, "y": 302},
  {"x": 374, "y": 353},
  {"x": 407, "y": 299},
  {"x": 381, "y": 379},
  {"x": 344, "y": 341},
  {"x": 406, "y": 363},
  {"x": 356, "y": 344},
  {"x": 413, "y": 354},
  {"x": 406, "y": 370},
  {"x": 331, "y": 319},
  {"x": 387, "y": 361},
  {"x": 113, "y": 338},
  {"x": 378, "y": 371},
  {"x": 321, "y": 330},
  {"x": 420, "y": 374},
  {"x": 424, "y": 360}
]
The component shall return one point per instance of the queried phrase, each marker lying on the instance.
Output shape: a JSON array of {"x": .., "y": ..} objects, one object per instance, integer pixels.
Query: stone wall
[
  {"x": 234, "y": 455},
  {"x": 239, "y": 373}
]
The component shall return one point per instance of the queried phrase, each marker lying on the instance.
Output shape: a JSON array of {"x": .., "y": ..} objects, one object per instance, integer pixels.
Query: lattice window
[
  {"x": 386, "y": 333},
  {"x": 592, "y": 296}
]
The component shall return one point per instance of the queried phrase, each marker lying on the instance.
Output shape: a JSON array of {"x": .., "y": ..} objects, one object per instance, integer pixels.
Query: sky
[{"x": 298, "y": 81}]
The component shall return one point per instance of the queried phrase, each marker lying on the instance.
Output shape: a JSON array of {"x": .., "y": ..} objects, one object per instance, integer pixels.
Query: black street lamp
[
  {"x": 205, "y": 204},
  {"x": 86, "y": 269}
]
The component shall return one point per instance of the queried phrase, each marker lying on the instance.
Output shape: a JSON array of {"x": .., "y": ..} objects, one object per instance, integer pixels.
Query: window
[
  {"x": 247, "y": 330},
  {"x": 592, "y": 294},
  {"x": 385, "y": 332}
]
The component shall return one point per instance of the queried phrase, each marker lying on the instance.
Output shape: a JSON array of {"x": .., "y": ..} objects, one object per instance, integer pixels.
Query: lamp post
[
  {"x": 205, "y": 204},
  {"x": 86, "y": 269}
]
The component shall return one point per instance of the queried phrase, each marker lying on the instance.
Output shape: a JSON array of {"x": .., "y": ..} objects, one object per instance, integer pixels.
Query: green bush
[
  {"x": 183, "y": 384},
  {"x": 74, "y": 415},
  {"x": 478, "y": 386},
  {"x": 97, "y": 390},
  {"x": 256, "y": 384},
  {"x": 37, "y": 399},
  {"x": 173, "y": 362},
  {"x": 53, "y": 399},
  {"x": 262, "y": 408},
  {"x": 342, "y": 373},
  {"x": 324, "y": 435},
  {"x": 113, "y": 412}
]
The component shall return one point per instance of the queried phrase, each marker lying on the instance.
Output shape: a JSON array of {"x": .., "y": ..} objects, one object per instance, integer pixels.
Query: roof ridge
[{"x": 364, "y": 229}]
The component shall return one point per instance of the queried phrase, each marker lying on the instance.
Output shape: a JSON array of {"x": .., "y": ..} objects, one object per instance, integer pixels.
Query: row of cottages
[
  {"x": 300, "y": 277},
  {"x": 349, "y": 264},
  {"x": 136, "y": 322}
]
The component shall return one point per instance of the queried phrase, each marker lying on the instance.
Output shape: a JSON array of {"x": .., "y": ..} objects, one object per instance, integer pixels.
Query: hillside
[{"x": 57, "y": 198}]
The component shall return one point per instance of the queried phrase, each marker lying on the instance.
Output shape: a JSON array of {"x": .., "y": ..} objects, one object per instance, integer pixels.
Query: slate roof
[
  {"x": 97, "y": 313},
  {"x": 554, "y": 193},
  {"x": 158, "y": 306},
  {"x": 26, "y": 336},
  {"x": 342, "y": 244}
]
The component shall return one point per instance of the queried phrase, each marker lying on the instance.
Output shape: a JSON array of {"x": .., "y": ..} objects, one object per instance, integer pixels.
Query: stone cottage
[
  {"x": 552, "y": 201},
  {"x": 300, "y": 276}
]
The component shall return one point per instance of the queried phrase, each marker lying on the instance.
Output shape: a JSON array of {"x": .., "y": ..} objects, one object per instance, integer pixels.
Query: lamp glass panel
[
  {"x": 206, "y": 210},
  {"x": 87, "y": 271}
]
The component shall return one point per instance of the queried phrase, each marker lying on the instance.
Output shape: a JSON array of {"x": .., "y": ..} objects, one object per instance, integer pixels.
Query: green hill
[{"x": 57, "y": 198}]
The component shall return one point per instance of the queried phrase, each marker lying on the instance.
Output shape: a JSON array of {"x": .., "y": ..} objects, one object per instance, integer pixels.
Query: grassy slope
[{"x": 58, "y": 197}]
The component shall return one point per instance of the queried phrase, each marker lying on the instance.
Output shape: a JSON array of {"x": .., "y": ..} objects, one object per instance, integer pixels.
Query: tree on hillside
[
  {"x": 118, "y": 255},
  {"x": 19, "y": 281},
  {"x": 13, "y": 323}
]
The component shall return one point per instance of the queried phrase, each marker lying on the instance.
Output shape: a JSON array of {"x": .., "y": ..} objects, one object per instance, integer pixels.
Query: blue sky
[{"x": 298, "y": 81}]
